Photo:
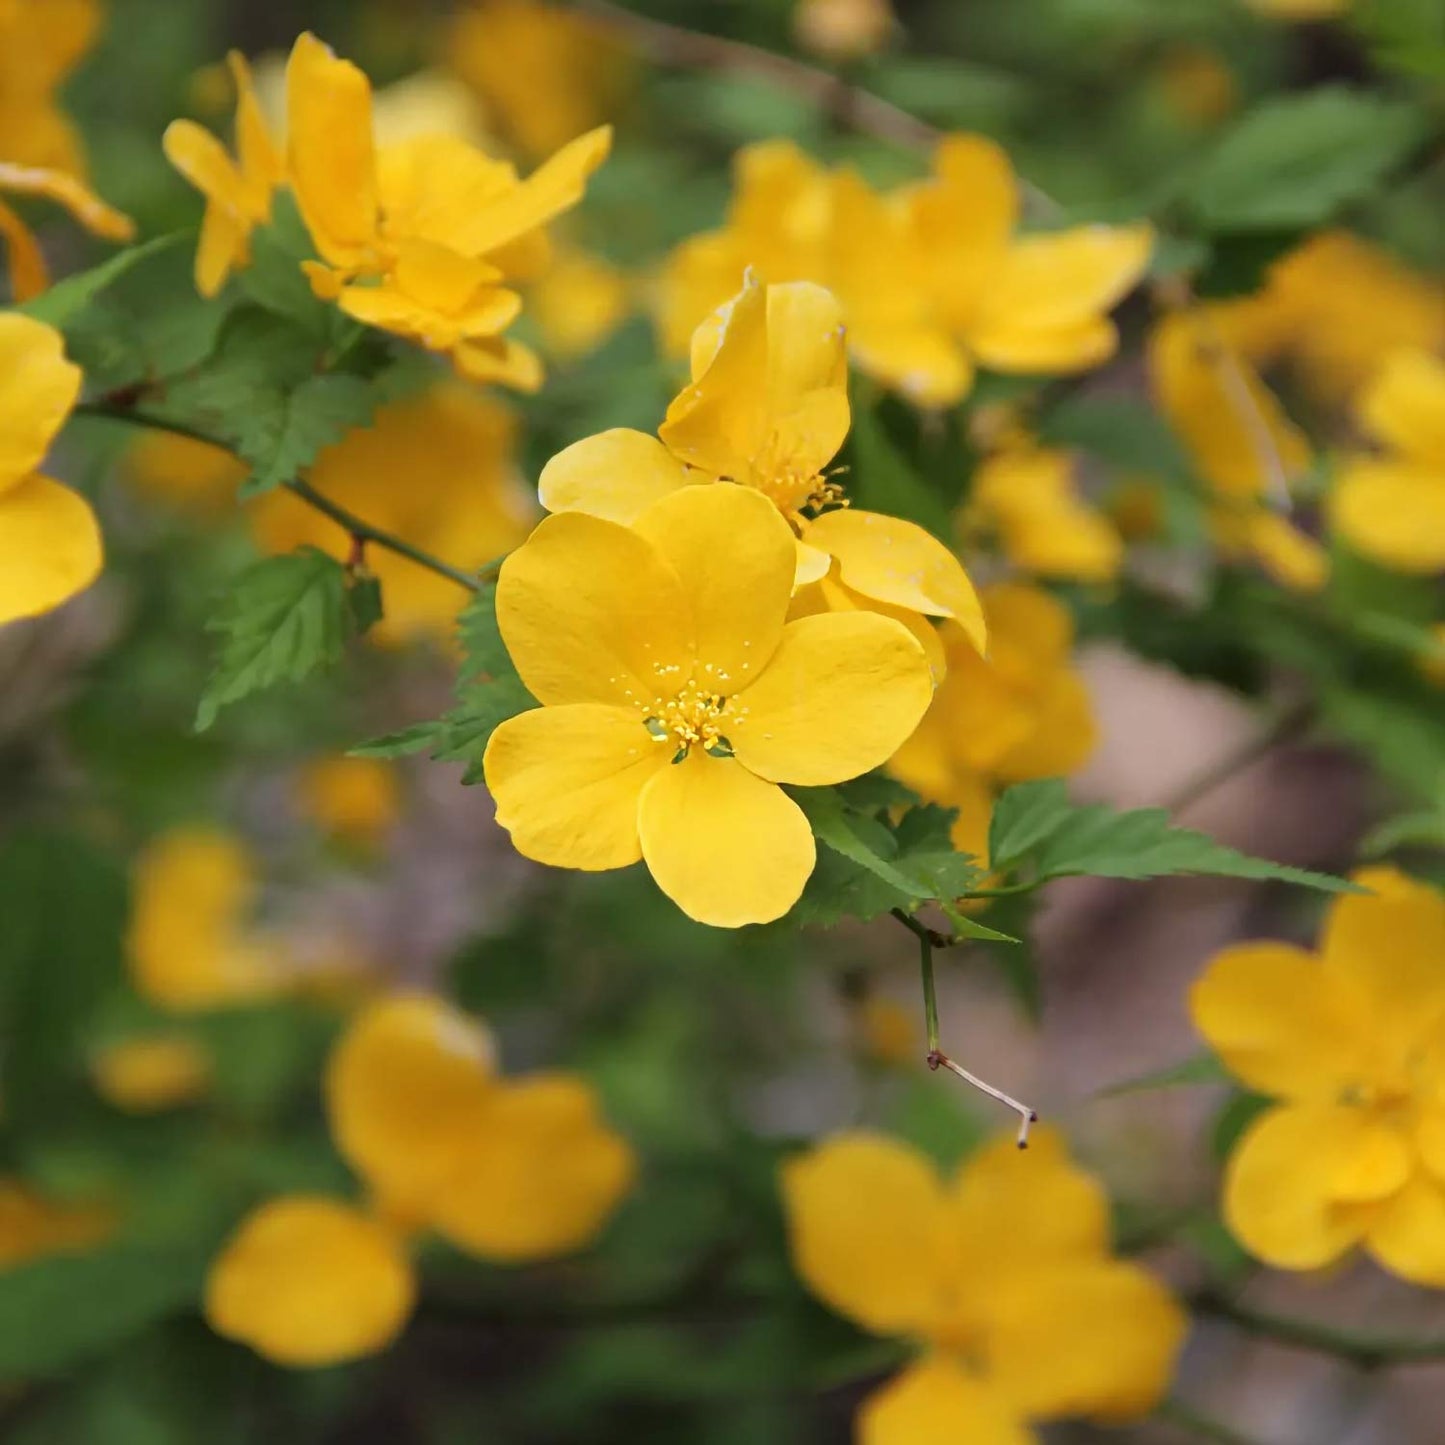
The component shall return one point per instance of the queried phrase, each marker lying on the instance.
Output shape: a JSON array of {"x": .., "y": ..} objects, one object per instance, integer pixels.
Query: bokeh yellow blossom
[
  {"x": 33, "y": 1227},
  {"x": 674, "y": 688},
  {"x": 933, "y": 277},
  {"x": 461, "y": 500},
  {"x": 238, "y": 192},
  {"x": 151, "y": 1072},
  {"x": 192, "y": 943},
  {"x": 767, "y": 408},
  {"x": 545, "y": 74},
  {"x": 1346, "y": 1040},
  {"x": 1023, "y": 712},
  {"x": 1003, "y": 1273},
  {"x": 1198, "y": 85},
  {"x": 578, "y": 302},
  {"x": 50, "y": 545},
  {"x": 1028, "y": 496},
  {"x": 843, "y": 30},
  {"x": 421, "y": 236},
  {"x": 887, "y": 1034},
  {"x": 1245, "y": 449},
  {"x": 353, "y": 798},
  {"x": 193, "y": 476},
  {"x": 1391, "y": 507}
]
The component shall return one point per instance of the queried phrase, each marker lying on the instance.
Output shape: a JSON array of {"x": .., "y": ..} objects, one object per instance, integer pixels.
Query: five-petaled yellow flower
[
  {"x": 1348, "y": 1041},
  {"x": 50, "y": 546},
  {"x": 677, "y": 697},
  {"x": 1003, "y": 1274},
  {"x": 768, "y": 409},
  {"x": 509, "y": 1171},
  {"x": 238, "y": 192},
  {"x": 1392, "y": 507},
  {"x": 420, "y": 236},
  {"x": 933, "y": 277}
]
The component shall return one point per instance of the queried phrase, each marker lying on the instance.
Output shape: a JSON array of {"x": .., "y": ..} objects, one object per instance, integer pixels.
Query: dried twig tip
[{"x": 1027, "y": 1116}]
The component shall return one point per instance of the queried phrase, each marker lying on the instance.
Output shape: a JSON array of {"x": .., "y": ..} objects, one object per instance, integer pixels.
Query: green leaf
[
  {"x": 283, "y": 440},
  {"x": 1295, "y": 160},
  {"x": 62, "y": 302},
  {"x": 1127, "y": 434},
  {"x": 1037, "y": 827},
  {"x": 285, "y": 618},
  {"x": 1203, "y": 1069},
  {"x": 401, "y": 744}
]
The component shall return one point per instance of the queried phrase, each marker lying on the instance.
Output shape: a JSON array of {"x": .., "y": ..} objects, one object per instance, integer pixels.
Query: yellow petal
[
  {"x": 725, "y": 846},
  {"x": 1054, "y": 281},
  {"x": 1292, "y": 557},
  {"x": 1408, "y": 1238},
  {"x": 937, "y": 1399},
  {"x": 899, "y": 563},
  {"x": 330, "y": 151},
  {"x": 567, "y": 781},
  {"x": 224, "y": 246},
  {"x": 204, "y": 162},
  {"x": 1280, "y": 1023},
  {"x": 407, "y": 1088},
  {"x": 66, "y": 190},
  {"x": 922, "y": 361},
  {"x": 806, "y": 351},
  {"x": 1392, "y": 512},
  {"x": 356, "y": 798},
  {"x": 735, "y": 557},
  {"x": 25, "y": 261},
  {"x": 33, "y": 1227},
  {"x": 502, "y": 362},
  {"x": 616, "y": 475},
  {"x": 1405, "y": 406},
  {"x": 542, "y": 1178},
  {"x": 1076, "y": 347},
  {"x": 38, "y": 387},
  {"x": 147, "y": 1074},
  {"x": 308, "y": 1281},
  {"x": 1281, "y": 1199},
  {"x": 1063, "y": 736},
  {"x": 262, "y": 165},
  {"x": 591, "y": 613},
  {"x": 1388, "y": 947},
  {"x": 866, "y": 1227},
  {"x": 839, "y": 696},
  {"x": 50, "y": 547},
  {"x": 1111, "y": 1332}
]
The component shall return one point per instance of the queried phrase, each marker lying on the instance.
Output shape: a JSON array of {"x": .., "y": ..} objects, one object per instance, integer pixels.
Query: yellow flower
[
  {"x": 510, "y": 1171},
  {"x": 308, "y": 1281},
  {"x": 933, "y": 278},
  {"x": 419, "y": 236},
  {"x": 545, "y": 74},
  {"x": 238, "y": 192},
  {"x": 676, "y": 697},
  {"x": 1021, "y": 713},
  {"x": 1391, "y": 508},
  {"x": 768, "y": 409},
  {"x": 1347, "y": 1040},
  {"x": 191, "y": 475},
  {"x": 355, "y": 798},
  {"x": 50, "y": 546},
  {"x": 1244, "y": 447},
  {"x": 578, "y": 303},
  {"x": 843, "y": 30},
  {"x": 1003, "y": 1273},
  {"x": 190, "y": 944},
  {"x": 887, "y": 1033},
  {"x": 33, "y": 1227},
  {"x": 461, "y": 500},
  {"x": 150, "y": 1073},
  {"x": 1028, "y": 496},
  {"x": 1199, "y": 86},
  {"x": 41, "y": 41}
]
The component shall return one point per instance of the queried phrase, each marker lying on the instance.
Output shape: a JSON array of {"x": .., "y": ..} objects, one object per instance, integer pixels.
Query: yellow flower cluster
[
  {"x": 508, "y": 1171},
  {"x": 41, "y": 42},
  {"x": 1004, "y": 1273},
  {"x": 420, "y": 236},
  {"x": 933, "y": 278},
  {"x": 1347, "y": 1041}
]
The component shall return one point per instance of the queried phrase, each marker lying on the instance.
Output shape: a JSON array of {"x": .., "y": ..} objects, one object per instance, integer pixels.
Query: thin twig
[
  {"x": 1365, "y": 1351},
  {"x": 928, "y": 940},
  {"x": 359, "y": 529}
]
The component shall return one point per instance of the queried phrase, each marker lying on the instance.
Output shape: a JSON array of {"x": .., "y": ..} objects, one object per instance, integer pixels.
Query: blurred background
[{"x": 137, "y": 1127}]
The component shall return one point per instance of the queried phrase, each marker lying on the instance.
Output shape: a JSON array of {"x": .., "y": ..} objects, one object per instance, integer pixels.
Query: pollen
[{"x": 696, "y": 716}]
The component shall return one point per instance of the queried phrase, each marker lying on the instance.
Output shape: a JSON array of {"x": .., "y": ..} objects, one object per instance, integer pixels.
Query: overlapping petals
[{"x": 675, "y": 691}]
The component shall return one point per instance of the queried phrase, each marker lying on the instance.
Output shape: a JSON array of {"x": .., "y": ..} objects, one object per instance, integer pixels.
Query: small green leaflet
[
  {"x": 66, "y": 299},
  {"x": 1037, "y": 829},
  {"x": 285, "y": 436},
  {"x": 1202, "y": 1069},
  {"x": 284, "y": 619},
  {"x": 1296, "y": 160}
]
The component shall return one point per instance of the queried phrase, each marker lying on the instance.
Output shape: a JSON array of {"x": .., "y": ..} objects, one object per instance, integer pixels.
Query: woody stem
[
  {"x": 1364, "y": 1350},
  {"x": 360, "y": 530}
]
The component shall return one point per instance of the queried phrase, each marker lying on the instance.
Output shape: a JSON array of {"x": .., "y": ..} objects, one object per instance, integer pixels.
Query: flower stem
[
  {"x": 1364, "y": 1350},
  {"x": 358, "y": 528}
]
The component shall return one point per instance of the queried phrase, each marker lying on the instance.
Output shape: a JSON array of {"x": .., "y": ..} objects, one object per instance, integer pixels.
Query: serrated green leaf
[
  {"x": 311, "y": 416},
  {"x": 1035, "y": 825},
  {"x": 484, "y": 652},
  {"x": 1295, "y": 160},
  {"x": 403, "y": 743},
  {"x": 62, "y": 302},
  {"x": 468, "y": 728},
  {"x": 1203, "y": 1069},
  {"x": 284, "y": 618}
]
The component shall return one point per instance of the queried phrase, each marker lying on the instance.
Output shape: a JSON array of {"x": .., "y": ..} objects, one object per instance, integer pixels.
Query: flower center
[{"x": 694, "y": 717}]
